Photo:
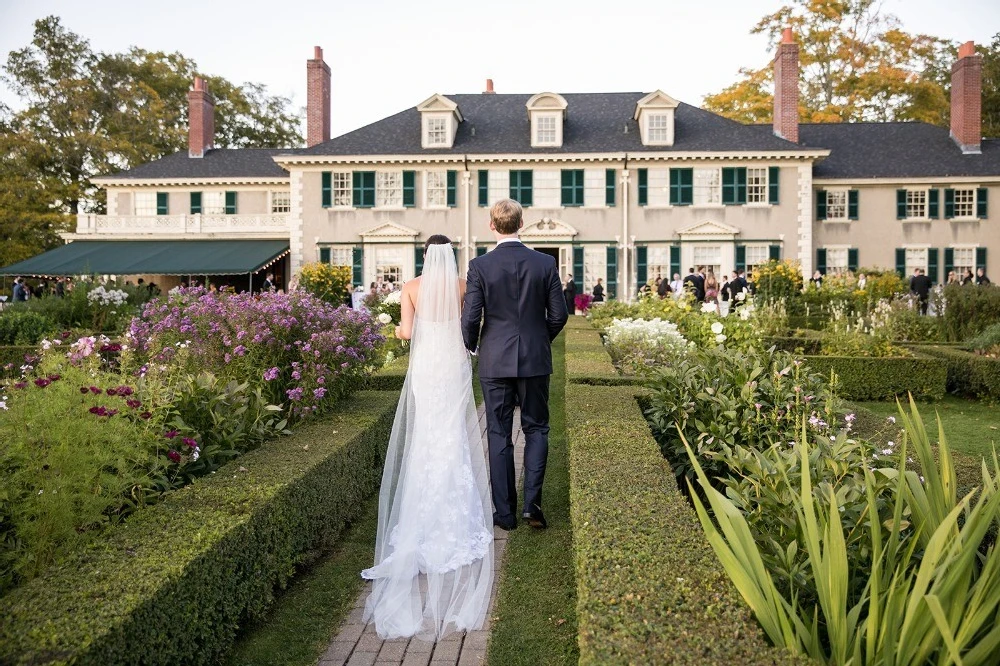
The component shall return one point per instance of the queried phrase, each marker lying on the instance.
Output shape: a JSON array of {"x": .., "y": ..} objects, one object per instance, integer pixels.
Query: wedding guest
[
  {"x": 662, "y": 287},
  {"x": 738, "y": 286},
  {"x": 691, "y": 284},
  {"x": 862, "y": 281},
  {"x": 953, "y": 278},
  {"x": 724, "y": 289},
  {"x": 817, "y": 279},
  {"x": 268, "y": 283},
  {"x": 598, "y": 292},
  {"x": 712, "y": 290},
  {"x": 968, "y": 278},
  {"x": 920, "y": 286},
  {"x": 569, "y": 292},
  {"x": 20, "y": 291},
  {"x": 676, "y": 286},
  {"x": 981, "y": 278}
]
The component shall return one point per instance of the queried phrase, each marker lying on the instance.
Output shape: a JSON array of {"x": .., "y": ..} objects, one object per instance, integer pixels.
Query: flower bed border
[
  {"x": 587, "y": 361},
  {"x": 864, "y": 378},
  {"x": 968, "y": 373},
  {"x": 173, "y": 584}
]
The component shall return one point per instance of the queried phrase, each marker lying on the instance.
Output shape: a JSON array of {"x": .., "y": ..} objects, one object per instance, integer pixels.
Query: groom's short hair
[{"x": 506, "y": 216}]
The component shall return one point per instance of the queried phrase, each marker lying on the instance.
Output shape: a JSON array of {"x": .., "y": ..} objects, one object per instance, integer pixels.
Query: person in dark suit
[
  {"x": 268, "y": 283},
  {"x": 598, "y": 292},
  {"x": 515, "y": 293},
  {"x": 920, "y": 285},
  {"x": 738, "y": 285},
  {"x": 570, "y": 293},
  {"x": 692, "y": 285}
]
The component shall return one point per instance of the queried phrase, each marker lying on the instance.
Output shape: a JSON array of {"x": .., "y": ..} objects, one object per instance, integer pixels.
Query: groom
[{"x": 516, "y": 294}]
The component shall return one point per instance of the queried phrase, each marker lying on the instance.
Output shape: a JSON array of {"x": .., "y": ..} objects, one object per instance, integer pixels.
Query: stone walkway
[{"x": 357, "y": 644}]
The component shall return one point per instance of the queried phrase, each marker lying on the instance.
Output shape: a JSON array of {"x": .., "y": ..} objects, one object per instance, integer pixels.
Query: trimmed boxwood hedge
[
  {"x": 587, "y": 361},
  {"x": 968, "y": 373},
  {"x": 389, "y": 378},
  {"x": 805, "y": 345},
  {"x": 864, "y": 378},
  {"x": 649, "y": 586},
  {"x": 173, "y": 583}
]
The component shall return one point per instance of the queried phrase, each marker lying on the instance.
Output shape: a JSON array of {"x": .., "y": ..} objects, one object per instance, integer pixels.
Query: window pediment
[
  {"x": 548, "y": 229},
  {"x": 710, "y": 229},
  {"x": 390, "y": 231},
  {"x": 546, "y": 113},
  {"x": 439, "y": 119}
]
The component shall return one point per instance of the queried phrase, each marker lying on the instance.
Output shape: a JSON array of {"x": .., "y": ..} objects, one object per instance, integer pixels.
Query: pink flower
[
  {"x": 41, "y": 382},
  {"x": 174, "y": 456},
  {"x": 319, "y": 393},
  {"x": 54, "y": 378},
  {"x": 170, "y": 434},
  {"x": 133, "y": 403},
  {"x": 190, "y": 442},
  {"x": 112, "y": 391},
  {"x": 95, "y": 390}
]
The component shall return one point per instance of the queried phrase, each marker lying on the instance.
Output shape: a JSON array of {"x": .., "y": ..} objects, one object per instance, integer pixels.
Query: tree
[
  {"x": 991, "y": 88},
  {"x": 856, "y": 64}
]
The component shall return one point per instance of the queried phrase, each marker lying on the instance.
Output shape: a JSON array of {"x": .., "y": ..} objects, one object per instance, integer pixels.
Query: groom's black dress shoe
[
  {"x": 507, "y": 525},
  {"x": 535, "y": 518}
]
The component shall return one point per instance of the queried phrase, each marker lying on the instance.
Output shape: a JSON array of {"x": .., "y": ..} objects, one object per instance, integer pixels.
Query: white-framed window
[
  {"x": 389, "y": 263},
  {"x": 281, "y": 201},
  {"x": 916, "y": 204},
  {"x": 437, "y": 131},
  {"x": 965, "y": 260},
  {"x": 499, "y": 185},
  {"x": 595, "y": 265},
  {"x": 965, "y": 203},
  {"x": 341, "y": 183},
  {"x": 658, "y": 262},
  {"x": 658, "y": 187},
  {"x": 709, "y": 256},
  {"x": 546, "y": 132},
  {"x": 657, "y": 128},
  {"x": 836, "y": 204},
  {"x": 436, "y": 188},
  {"x": 756, "y": 186},
  {"x": 916, "y": 257},
  {"x": 389, "y": 189},
  {"x": 546, "y": 189},
  {"x": 213, "y": 203},
  {"x": 144, "y": 203},
  {"x": 756, "y": 255},
  {"x": 342, "y": 255},
  {"x": 837, "y": 260},
  {"x": 707, "y": 187}
]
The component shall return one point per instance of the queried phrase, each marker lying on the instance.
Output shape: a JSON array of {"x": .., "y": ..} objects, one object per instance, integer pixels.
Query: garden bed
[
  {"x": 587, "y": 361},
  {"x": 866, "y": 378},
  {"x": 969, "y": 374},
  {"x": 173, "y": 584}
]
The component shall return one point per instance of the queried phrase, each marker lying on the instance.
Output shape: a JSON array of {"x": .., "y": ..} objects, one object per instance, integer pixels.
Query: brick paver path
[{"x": 357, "y": 644}]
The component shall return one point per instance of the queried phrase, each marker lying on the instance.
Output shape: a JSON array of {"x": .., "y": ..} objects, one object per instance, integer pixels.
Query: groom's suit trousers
[{"x": 499, "y": 395}]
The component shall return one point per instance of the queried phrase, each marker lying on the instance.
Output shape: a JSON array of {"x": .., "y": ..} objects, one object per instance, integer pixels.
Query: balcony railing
[{"x": 182, "y": 224}]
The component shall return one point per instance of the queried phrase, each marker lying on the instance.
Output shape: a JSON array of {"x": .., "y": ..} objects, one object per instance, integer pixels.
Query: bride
[{"x": 433, "y": 568}]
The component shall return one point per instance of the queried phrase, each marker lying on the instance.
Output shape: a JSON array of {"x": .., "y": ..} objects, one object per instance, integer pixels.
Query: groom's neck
[{"x": 503, "y": 237}]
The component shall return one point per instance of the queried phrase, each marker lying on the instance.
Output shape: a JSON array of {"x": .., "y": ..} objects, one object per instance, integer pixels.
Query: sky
[{"x": 389, "y": 55}]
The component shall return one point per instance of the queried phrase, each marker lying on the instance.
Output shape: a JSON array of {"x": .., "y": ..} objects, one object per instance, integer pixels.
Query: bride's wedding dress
[{"x": 433, "y": 568}]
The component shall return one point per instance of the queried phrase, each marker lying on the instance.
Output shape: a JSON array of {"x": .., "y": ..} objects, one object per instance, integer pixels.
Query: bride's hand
[{"x": 396, "y": 332}]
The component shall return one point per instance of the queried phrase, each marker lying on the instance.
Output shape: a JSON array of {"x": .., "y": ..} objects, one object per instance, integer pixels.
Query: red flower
[
  {"x": 190, "y": 442},
  {"x": 99, "y": 411},
  {"x": 133, "y": 403},
  {"x": 170, "y": 434},
  {"x": 20, "y": 385},
  {"x": 95, "y": 390},
  {"x": 54, "y": 378},
  {"x": 124, "y": 390},
  {"x": 112, "y": 412},
  {"x": 111, "y": 391},
  {"x": 145, "y": 415},
  {"x": 173, "y": 455},
  {"x": 64, "y": 334},
  {"x": 84, "y": 390},
  {"x": 41, "y": 382}
]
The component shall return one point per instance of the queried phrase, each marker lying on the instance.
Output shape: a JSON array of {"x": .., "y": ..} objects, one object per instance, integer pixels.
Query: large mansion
[{"x": 619, "y": 186}]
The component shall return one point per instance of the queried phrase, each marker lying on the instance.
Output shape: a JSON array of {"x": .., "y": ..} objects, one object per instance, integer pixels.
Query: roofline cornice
[
  {"x": 902, "y": 180},
  {"x": 110, "y": 181}
]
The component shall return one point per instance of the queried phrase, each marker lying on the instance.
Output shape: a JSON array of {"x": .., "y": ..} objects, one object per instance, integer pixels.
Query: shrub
[
  {"x": 969, "y": 374},
  {"x": 969, "y": 310},
  {"x": 24, "y": 327},
  {"x": 326, "y": 282},
  {"x": 777, "y": 280},
  {"x": 861, "y": 335},
  {"x": 883, "y": 378},
  {"x": 91, "y": 306},
  {"x": 173, "y": 584},
  {"x": 986, "y": 340},
  {"x": 582, "y": 302},
  {"x": 639, "y": 346}
]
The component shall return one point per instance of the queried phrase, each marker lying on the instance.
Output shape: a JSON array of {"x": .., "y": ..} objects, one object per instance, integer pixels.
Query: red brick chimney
[
  {"x": 786, "y": 88},
  {"x": 489, "y": 88},
  {"x": 967, "y": 99},
  {"x": 317, "y": 99},
  {"x": 201, "y": 119}
]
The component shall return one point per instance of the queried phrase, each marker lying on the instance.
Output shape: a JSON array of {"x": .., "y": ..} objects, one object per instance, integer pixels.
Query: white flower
[
  {"x": 3, "y": 403},
  {"x": 196, "y": 453},
  {"x": 393, "y": 297},
  {"x": 708, "y": 307},
  {"x": 891, "y": 419},
  {"x": 720, "y": 338},
  {"x": 384, "y": 318},
  {"x": 717, "y": 327},
  {"x": 742, "y": 296},
  {"x": 46, "y": 345}
]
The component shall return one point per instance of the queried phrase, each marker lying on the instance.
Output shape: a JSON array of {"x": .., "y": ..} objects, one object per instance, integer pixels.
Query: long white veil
[{"x": 433, "y": 570}]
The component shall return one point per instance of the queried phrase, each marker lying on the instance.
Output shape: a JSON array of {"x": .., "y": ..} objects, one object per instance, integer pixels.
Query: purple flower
[
  {"x": 190, "y": 442},
  {"x": 84, "y": 390},
  {"x": 146, "y": 416},
  {"x": 174, "y": 456},
  {"x": 133, "y": 403},
  {"x": 41, "y": 382},
  {"x": 319, "y": 393},
  {"x": 112, "y": 391},
  {"x": 240, "y": 350},
  {"x": 294, "y": 394},
  {"x": 170, "y": 434},
  {"x": 54, "y": 378},
  {"x": 271, "y": 374},
  {"x": 95, "y": 390}
]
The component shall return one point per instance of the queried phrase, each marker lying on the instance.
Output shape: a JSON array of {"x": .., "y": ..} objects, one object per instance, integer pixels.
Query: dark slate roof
[
  {"x": 218, "y": 163},
  {"x": 595, "y": 122},
  {"x": 894, "y": 150}
]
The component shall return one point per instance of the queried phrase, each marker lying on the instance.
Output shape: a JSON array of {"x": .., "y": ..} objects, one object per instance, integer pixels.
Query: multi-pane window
[
  {"x": 545, "y": 130},
  {"x": 213, "y": 203},
  {"x": 281, "y": 201},
  {"x": 707, "y": 186},
  {"x": 389, "y": 264},
  {"x": 755, "y": 256},
  {"x": 657, "y": 128},
  {"x": 389, "y": 189},
  {"x": 709, "y": 256},
  {"x": 837, "y": 260},
  {"x": 342, "y": 256},
  {"x": 595, "y": 265},
  {"x": 836, "y": 204},
  {"x": 916, "y": 257},
  {"x": 916, "y": 204},
  {"x": 547, "y": 189},
  {"x": 658, "y": 187},
  {"x": 965, "y": 203},
  {"x": 572, "y": 187},
  {"x": 437, "y": 132},
  {"x": 658, "y": 262},
  {"x": 144, "y": 203},
  {"x": 437, "y": 188},
  {"x": 341, "y": 183},
  {"x": 965, "y": 260},
  {"x": 756, "y": 186},
  {"x": 521, "y": 184}
]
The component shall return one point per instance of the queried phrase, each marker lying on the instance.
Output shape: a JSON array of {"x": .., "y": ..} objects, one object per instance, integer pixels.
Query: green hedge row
[
  {"x": 802, "y": 345},
  {"x": 391, "y": 377},
  {"x": 968, "y": 373},
  {"x": 861, "y": 378},
  {"x": 173, "y": 584},
  {"x": 587, "y": 361},
  {"x": 649, "y": 587}
]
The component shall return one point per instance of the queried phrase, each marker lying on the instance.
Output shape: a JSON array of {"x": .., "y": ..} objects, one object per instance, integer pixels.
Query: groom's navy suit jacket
[{"x": 516, "y": 294}]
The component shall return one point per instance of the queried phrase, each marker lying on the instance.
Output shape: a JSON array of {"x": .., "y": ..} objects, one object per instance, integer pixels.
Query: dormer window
[
  {"x": 655, "y": 114},
  {"x": 657, "y": 127},
  {"x": 546, "y": 112},
  {"x": 439, "y": 119},
  {"x": 437, "y": 131}
]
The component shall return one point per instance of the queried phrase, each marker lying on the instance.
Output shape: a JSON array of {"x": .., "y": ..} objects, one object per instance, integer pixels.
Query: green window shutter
[
  {"x": 418, "y": 260},
  {"x": 981, "y": 203},
  {"x": 741, "y": 257},
  {"x": 932, "y": 203},
  {"x": 612, "y": 272},
  {"x": 734, "y": 185},
  {"x": 640, "y": 265},
  {"x": 949, "y": 203},
  {"x": 675, "y": 260},
  {"x": 514, "y": 181},
  {"x": 609, "y": 187},
  {"x": 980, "y": 258},
  {"x": 452, "y": 188},
  {"x": 481, "y": 250},
  {"x": 572, "y": 187},
  {"x": 368, "y": 189},
  {"x": 520, "y": 186},
  {"x": 901, "y": 262},
  {"x": 195, "y": 203},
  {"x": 773, "y": 175},
  {"x": 852, "y": 204},
  {"x": 356, "y": 189},
  {"x": 852, "y": 259},
  {"x": 681, "y": 187},
  {"x": 357, "y": 270},
  {"x": 162, "y": 205},
  {"x": 774, "y": 252},
  {"x": 949, "y": 261},
  {"x": 484, "y": 187},
  {"x": 643, "y": 188},
  {"x": 230, "y": 203},
  {"x": 820, "y": 204},
  {"x": 932, "y": 264},
  {"x": 578, "y": 265},
  {"x": 821, "y": 260},
  {"x": 327, "y": 188},
  {"x": 410, "y": 189},
  {"x": 900, "y": 204},
  {"x": 324, "y": 255}
]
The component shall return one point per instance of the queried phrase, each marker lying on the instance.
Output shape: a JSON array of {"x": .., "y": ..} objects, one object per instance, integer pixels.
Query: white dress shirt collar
[{"x": 508, "y": 240}]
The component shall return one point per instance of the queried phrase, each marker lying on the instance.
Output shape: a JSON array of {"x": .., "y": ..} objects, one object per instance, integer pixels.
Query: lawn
[{"x": 971, "y": 426}]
